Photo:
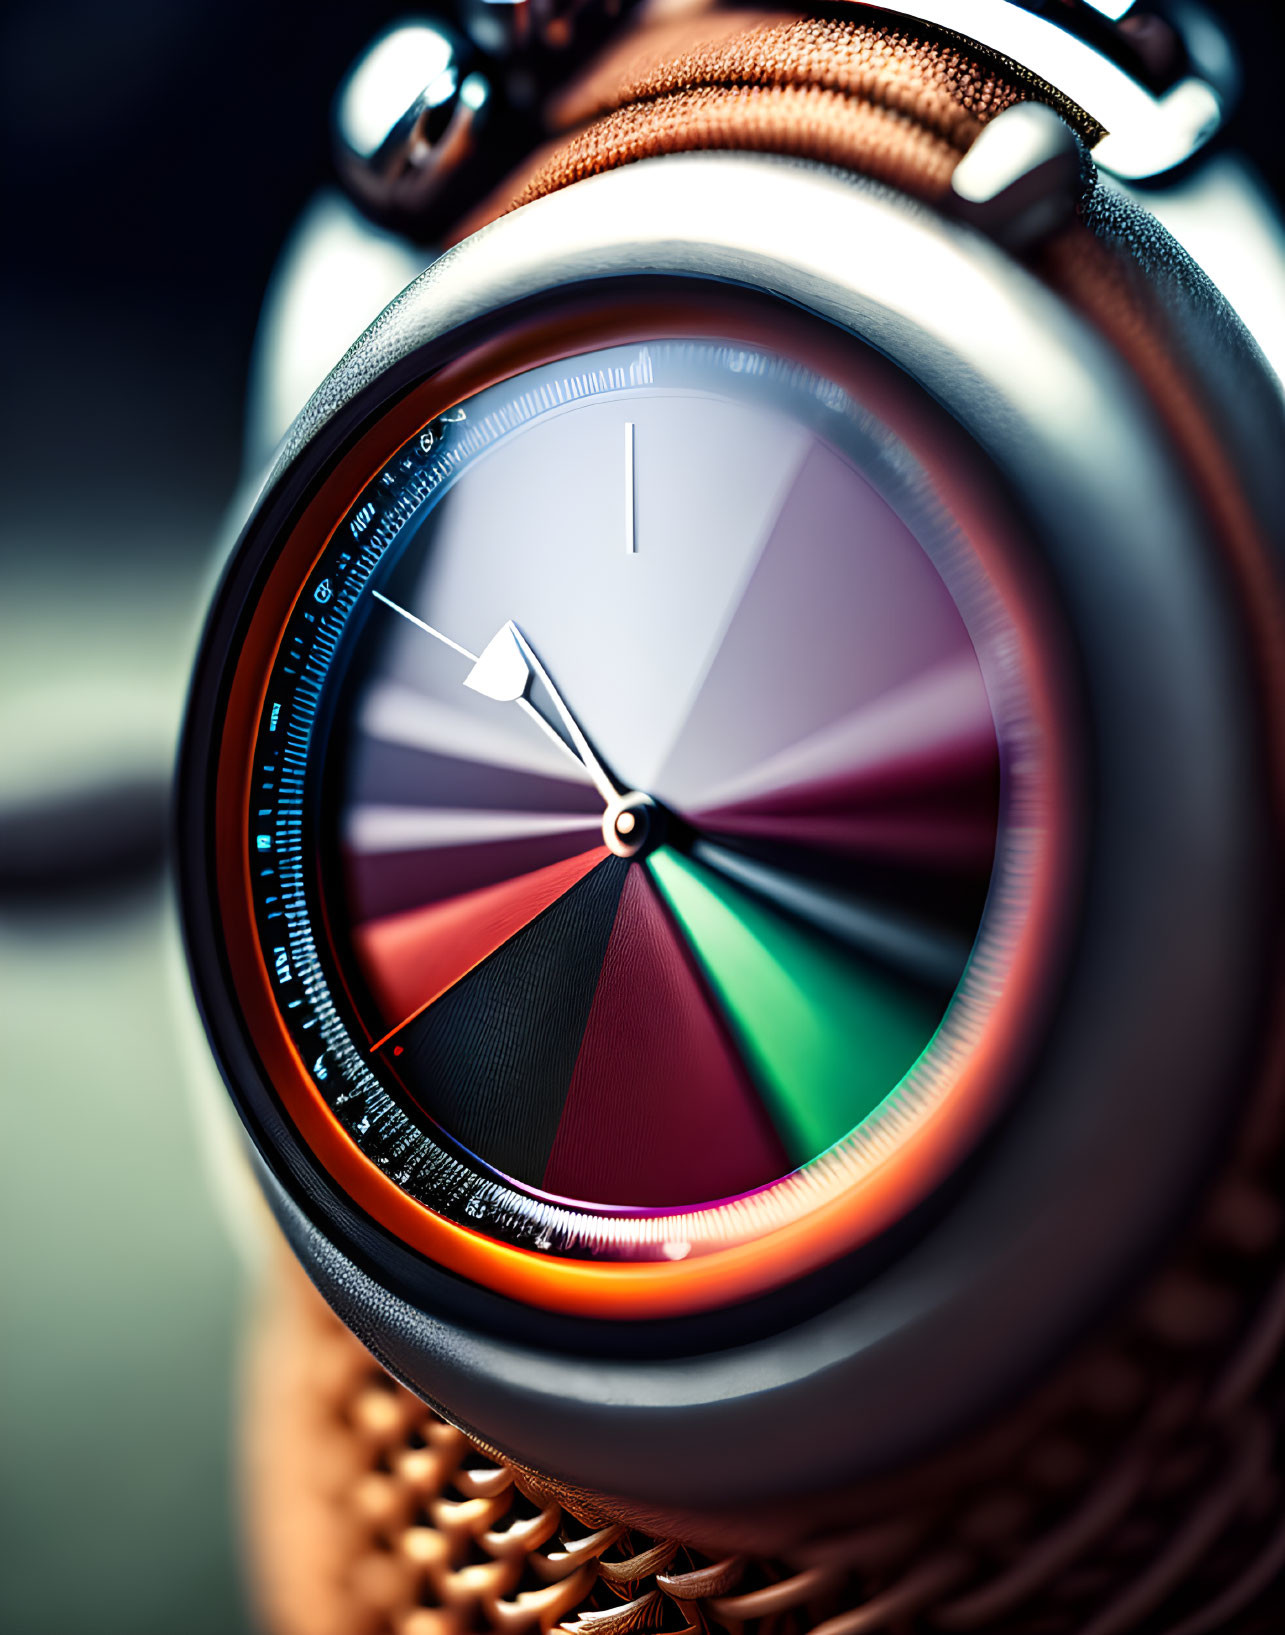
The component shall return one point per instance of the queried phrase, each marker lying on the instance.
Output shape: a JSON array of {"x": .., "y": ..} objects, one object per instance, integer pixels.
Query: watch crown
[{"x": 407, "y": 116}]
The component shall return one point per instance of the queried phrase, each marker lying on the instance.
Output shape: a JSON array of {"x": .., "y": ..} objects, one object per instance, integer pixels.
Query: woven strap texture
[
  {"x": 1147, "y": 1495},
  {"x": 865, "y": 94}
]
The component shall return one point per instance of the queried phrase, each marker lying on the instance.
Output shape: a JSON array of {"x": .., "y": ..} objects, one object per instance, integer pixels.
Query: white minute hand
[{"x": 504, "y": 670}]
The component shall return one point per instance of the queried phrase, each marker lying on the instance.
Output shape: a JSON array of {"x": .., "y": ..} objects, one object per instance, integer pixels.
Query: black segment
[
  {"x": 950, "y": 900},
  {"x": 492, "y": 1060},
  {"x": 929, "y": 956}
]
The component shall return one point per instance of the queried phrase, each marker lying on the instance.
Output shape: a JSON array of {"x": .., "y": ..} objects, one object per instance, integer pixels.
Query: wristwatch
[{"x": 729, "y": 832}]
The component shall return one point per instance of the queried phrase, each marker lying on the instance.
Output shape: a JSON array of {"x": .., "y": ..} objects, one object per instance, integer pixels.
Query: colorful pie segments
[
  {"x": 691, "y": 1028},
  {"x": 695, "y": 1027}
]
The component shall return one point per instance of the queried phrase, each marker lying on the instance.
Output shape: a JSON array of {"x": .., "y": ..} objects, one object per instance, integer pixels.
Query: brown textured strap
[
  {"x": 869, "y": 95},
  {"x": 367, "y": 1515}
]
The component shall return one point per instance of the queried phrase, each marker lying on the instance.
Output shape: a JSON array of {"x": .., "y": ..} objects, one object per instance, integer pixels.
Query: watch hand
[
  {"x": 504, "y": 671},
  {"x": 420, "y": 625}
]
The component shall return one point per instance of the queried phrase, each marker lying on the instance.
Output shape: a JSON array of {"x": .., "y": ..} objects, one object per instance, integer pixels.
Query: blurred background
[{"x": 156, "y": 155}]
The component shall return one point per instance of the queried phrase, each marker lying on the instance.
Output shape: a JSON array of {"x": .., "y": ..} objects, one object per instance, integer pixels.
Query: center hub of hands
[{"x": 631, "y": 824}]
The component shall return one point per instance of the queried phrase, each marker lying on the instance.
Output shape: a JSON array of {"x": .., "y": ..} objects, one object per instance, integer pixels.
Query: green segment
[{"x": 827, "y": 1037}]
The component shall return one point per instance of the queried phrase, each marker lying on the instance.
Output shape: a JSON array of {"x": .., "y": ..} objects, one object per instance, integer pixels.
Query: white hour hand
[
  {"x": 504, "y": 671},
  {"x": 501, "y": 671}
]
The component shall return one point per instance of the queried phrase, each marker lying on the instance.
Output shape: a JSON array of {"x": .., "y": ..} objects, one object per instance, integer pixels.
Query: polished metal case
[{"x": 871, "y": 1363}]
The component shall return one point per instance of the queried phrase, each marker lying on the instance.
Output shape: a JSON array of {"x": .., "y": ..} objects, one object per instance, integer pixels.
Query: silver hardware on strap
[
  {"x": 426, "y": 113},
  {"x": 1109, "y": 58}
]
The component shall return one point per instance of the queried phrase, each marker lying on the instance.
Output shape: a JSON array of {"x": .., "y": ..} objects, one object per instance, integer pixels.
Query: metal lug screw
[
  {"x": 505, "y": 27},
  {"x": 406, "y": 118},
  {"x": 1112, "y": 9},
  {"x": 632, "y": 824},
  {"x": 1022, "y": 177}
]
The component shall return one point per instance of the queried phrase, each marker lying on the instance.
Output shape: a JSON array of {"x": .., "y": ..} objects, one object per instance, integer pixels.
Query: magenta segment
[
  {"x": 842, "y": 608},
  {"x": 956, "y": 840},
  {"x": 911, "y": 777},
  {"x": 935, "y": 729},
  {"x": 660, "y": 1111}
]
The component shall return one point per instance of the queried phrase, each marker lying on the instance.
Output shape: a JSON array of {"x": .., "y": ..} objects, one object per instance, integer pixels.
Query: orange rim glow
[{"x": 933, "y": 1144}]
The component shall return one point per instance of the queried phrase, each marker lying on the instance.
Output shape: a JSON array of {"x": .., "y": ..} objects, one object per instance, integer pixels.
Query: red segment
[
  {"x": 660, "y": 1112},
  {"x": 384, "y": 884},
  {"x": 411, "y": 959}
]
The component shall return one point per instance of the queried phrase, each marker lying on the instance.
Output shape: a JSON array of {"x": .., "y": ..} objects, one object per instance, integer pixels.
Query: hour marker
[{"x": 631, "y": 536}]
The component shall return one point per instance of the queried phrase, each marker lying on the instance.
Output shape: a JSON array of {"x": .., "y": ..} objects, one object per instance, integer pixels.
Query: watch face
[{"x": 646, "y": 809}]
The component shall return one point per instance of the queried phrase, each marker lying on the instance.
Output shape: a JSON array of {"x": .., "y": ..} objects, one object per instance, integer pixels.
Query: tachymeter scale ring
[{"x": 493, "y": 1219}]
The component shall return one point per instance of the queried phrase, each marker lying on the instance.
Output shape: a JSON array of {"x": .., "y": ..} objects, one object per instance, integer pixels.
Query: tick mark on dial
[{"x": 631, "y": 530}]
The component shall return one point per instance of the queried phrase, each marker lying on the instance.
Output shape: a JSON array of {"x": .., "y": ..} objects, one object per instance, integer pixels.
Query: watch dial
[{"x": 644, "y": 798}]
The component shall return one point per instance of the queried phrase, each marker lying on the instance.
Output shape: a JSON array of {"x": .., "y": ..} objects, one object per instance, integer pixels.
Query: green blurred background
[
  {"x": 155, "y": 157},
  {"x": 120, "y": 1288}
]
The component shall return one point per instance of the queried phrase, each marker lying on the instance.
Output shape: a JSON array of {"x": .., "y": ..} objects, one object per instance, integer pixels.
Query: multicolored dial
[{"x": 645, "y": 805}]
